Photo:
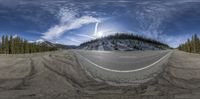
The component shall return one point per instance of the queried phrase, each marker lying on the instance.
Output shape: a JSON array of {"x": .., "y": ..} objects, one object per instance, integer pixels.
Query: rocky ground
[{"x": 58, "y": 75}]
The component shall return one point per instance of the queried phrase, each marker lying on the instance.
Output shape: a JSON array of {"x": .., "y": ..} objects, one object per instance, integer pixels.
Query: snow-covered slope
[
  {"x": 122, "y": 44},
  {"x": 43, "y": 42},
  {"x": 50, "y": 44}
]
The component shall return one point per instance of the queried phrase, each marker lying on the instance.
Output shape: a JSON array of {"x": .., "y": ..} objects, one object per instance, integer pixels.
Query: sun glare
[{"x": 99, "y": 34}]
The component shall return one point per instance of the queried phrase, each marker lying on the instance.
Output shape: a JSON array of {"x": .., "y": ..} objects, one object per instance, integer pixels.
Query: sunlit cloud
[
  {"x": 87, "y": 36},
  {"x": 74, "y": 40},
  {"x": 68, "y": 21},
  {"x": 96, "y": 29},
  {"x": 15, "y": 36}
]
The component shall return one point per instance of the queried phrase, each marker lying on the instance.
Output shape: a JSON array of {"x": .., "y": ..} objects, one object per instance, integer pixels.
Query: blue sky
[{"x": 75, "y": 21}]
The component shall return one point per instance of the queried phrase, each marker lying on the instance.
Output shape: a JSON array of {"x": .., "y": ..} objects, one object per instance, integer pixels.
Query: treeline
[
  {"x": 191, "y": 45},
  {"x": 122, "y": 36},
  {"x": 17, "y": 45}
]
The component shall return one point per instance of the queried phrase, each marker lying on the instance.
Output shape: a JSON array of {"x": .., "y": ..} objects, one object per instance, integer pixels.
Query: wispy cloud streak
[{"x": 68, "y": 21}]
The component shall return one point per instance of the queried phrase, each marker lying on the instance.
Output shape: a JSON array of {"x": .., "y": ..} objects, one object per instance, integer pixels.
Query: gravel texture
[{"x": 58, "y": 75}]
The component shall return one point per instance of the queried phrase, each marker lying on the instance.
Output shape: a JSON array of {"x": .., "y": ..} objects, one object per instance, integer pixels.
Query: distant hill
[
  {"x": 56, "y": 45},
  {"x": 123, "y": 42}
]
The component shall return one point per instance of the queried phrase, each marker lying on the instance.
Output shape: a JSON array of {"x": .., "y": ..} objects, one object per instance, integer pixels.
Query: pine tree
[
  {"x": 11, "y": 45},
  {"x": 18, "y": 45},
  {"x": 7, "y": 45},
  {"x": 192, "y": 45},
  {"x": 3, "y": 44},
  {"x": 27, "y": 47}
]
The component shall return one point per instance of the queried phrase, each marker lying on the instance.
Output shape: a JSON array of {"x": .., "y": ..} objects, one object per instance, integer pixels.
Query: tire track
[
  {"x": 74, "y": 83},
  {"x": 66, "y": 61},
  {"x": 32, "y": 72},
  {"x": 10, "y": 66}
]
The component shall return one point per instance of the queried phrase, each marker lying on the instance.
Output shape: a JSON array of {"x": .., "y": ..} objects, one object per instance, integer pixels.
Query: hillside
[
  {"x": 56, "y": 45},
  {"x": 123, "y": 42}
]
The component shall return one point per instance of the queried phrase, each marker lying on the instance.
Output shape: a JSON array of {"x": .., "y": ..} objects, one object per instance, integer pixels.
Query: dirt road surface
[{"x": 58, "y": 75}]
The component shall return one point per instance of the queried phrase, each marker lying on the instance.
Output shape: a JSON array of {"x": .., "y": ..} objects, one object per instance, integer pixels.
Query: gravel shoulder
[{"x": 58, "y": 75}]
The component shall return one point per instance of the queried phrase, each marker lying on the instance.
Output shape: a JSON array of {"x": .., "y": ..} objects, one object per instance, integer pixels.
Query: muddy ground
[{"x": 58, "y": 75}]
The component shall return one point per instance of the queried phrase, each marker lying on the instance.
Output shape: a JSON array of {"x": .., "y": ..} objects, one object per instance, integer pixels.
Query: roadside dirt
[{"x": 58, "y": 75}]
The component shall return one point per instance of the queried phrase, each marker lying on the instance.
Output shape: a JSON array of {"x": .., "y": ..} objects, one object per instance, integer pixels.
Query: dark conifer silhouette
[
  {"x": 17, "y": 45},
  {"x": 191, "y": 45}
]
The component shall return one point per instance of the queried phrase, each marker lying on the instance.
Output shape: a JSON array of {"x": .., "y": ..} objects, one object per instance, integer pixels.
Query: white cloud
[
  {"x": 66, "y": 14},
  {"x": 73, "y": 40},
  {"x": 186, "y": 1},
  {"x": 15, "y": 36},
  {"x": 39, "y": 40},
  {"x": 87, "y": 36},
  {"x": 68, "y": 21},
  {"x": 31, "y": 41}
]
